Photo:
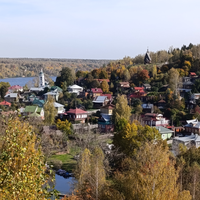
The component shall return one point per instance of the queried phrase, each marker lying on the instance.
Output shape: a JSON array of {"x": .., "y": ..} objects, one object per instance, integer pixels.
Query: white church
[{"x": 42, "y": 83}]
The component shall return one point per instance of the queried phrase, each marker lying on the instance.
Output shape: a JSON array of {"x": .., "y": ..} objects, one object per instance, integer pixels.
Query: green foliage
[
  {"x": 4, "y": 88},
  {"x": 64, "y": 126},
  {"x": 105, "y": 87}
]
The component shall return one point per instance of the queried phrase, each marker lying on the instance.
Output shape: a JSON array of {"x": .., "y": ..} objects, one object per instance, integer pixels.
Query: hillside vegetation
[{"x": 18, "y": 67}]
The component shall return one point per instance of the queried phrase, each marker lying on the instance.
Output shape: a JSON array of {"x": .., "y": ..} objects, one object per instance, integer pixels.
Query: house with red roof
[
  {"x": 5, "y": 103},
  {"x": 109, "y": 96},
  {"x": 124, "y": 85},
  {"x": 17, "y": 88},
  {"x": 96, "y": 92},
  {"x": 77, "y": 115},
  {"x": 155, "y": 119},
  {"x": 192, "y": 74},
  {"x": 138, "y": 93}
]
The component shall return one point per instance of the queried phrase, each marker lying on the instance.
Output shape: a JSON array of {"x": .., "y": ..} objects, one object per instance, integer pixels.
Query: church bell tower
[{"x": 41, "y": 79}]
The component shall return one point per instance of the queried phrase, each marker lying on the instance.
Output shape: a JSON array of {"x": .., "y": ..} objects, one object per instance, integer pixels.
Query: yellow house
[{"x": 107, "y": 109}]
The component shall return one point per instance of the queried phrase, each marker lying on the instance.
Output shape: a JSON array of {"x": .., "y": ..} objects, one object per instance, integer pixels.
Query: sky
[{"x": 95, "y": 29}]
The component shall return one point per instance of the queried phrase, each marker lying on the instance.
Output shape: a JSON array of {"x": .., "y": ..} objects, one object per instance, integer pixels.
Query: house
[
  {"x": 138, "y": 93},
  {"x": 195, "y": 96},
  {"x": 193, "y": 74},
  {"x": 36, "y": 90},
  {"x": 5, "y": 104},
  {"x": 105, "y": 123},
  {"x": 12, "y": 97},
  {"x": 147, "y": 108},
  {"x": 100, "y": 101},
  {"x": 192, "y": 126},
  {"x": 107, "y": 109},
  {"x": 30, "y": 110},
  {"x": 155, "y": 119},
  {"x": 147, "y": 86},
  {"x": 77, "y": 115},
  {"x": 75, "y": 89},
  {"x": 16, "y": 88},
  {"x": 53, "y": 94},
  {"x": 59, "y": 107},
  {"x": 38, "y": 102},
  {"x": 56, "y": 89},
  {"x": 161, "y": 104},
  {"x": 109, "y": 96},
  {"x": 124, "y": 85},
  {"x": 165, "y": 132},
  {"x": 188, "y": 141},
  {"x": 96, "y": 92}
]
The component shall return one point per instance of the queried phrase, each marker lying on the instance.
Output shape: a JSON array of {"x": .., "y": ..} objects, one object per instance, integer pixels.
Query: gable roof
[
  {"x": 96, "y": 90},
  {"x": 163, "y": 130},
  {"x": 162, "y": 101},
  {"x": 109, "y": 106},
  {"x": 15, "y": 87},
  {"x": 56, "y": 88},
  {"x": 138, "y": 88},
  {"x": 75, "y": 86},
  {"x": 100, "y": 99},
  {"x": 109, "y": 96},
  {"x": 5, "y": 103},
  {"x": 193, "y": 73},
  {"x": 76, "y": 111},
  {"x": 57, "y": 105}
]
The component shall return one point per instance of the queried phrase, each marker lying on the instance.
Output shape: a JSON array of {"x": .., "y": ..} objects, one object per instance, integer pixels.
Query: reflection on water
[{"x": 64, "y": 185}]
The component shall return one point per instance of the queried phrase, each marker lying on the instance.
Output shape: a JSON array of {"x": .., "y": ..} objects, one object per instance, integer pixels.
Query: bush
[{"x": 57, "y": 164}]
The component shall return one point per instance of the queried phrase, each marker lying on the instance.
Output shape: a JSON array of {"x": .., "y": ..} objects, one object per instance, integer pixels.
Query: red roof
[
  {"x": 138, "y": 88},
  {"x": 96, "y": 90},
  {"x": 15, "y": 87},
  {"x": 193, "y": 73},
  {"x": 5, "y": 103},
  {"x": 109, "y": 96},
  {"x": 76, "y": 111},
  {"x": 110, "y": 106}
]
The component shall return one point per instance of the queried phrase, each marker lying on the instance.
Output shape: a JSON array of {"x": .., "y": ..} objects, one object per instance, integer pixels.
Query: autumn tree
[
  {"x": 4, "y": 88},
  {"x": 130, "y": 137},
  {"x": 154, "y": 70},
  {"x": 126, "y": 75},
  {"x": 150, "y": 175},
  {"x": 122, "y": 109},
  {"x": 173, "y": 80},
  {"x": 49, "y": 111},
  {"x": 105, "y": 87},
  {"x": 64, "y": 126},
  {"x": 143, "y": 75},
  {"x": 90, "y": 174},
  {"x": 103, "y": 74},
  {"x": 22, "y": 169}
]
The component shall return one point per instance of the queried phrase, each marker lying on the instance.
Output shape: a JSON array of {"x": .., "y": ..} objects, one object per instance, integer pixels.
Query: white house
[
  {"x": 55, "y": 95},
  {"x": 188, "y": 141},
  {"x": 74, "y": 89},
  {"x": 154, "y": 119},
  {"x": 59, "y": 107}
]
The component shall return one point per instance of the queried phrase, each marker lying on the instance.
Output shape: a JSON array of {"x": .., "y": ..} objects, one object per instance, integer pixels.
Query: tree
[
  {"x": 66, "y": 74},
  {"x": 130, "y": 137},
  {"x": 22, "y": 169},
  {"x": 150, "y": 175},
  {"x": 103, "y": 74},
  {"x": 126, "y": 75},
  {"x": 91, "y": 174},
  {"x": 122, "y": 109},
  {"x": 154, "y": 70},
  {"x": 4, "y": 88},
  {"x": 173, "y": 80},
  {"x": 105, "y": 87},
  {"x": 94, "y": 84},
  {"x": 49, "y": 111},
  {"x": 64, "y": 126},
  {"x": 143, "y": 75}
]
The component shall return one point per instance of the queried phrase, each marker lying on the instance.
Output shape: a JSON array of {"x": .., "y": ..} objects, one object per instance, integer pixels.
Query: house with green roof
[
  {"x": 34, "y": 111},
  {"x": 38, "y": 102},
  {"x": 165, "y": 132},
  {"x": 56, "y": 89}
]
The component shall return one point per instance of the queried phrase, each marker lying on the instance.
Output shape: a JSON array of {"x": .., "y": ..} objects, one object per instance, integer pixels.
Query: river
[{"x": 22, "y": 81}]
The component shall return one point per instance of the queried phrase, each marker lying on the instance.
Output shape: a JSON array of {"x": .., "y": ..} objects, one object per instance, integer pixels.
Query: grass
[{"x": 68, "y": 161}]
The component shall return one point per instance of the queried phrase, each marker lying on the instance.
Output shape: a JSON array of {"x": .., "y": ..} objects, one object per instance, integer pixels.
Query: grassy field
[{"x": 67, "y": 160}]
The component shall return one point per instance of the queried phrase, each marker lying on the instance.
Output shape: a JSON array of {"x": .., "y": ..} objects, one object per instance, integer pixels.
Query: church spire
[
  {"x": 41, "y": 79},
  {"x": 147, "y": 58}
]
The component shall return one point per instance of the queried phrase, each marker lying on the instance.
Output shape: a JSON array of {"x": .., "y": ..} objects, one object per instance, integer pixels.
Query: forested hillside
[{"x": 18, "y": 67}]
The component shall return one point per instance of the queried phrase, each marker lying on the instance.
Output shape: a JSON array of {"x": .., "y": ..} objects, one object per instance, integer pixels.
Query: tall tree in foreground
[
  {"x": 122, "y": 109},
  {"x": 22, "y": 170},
  {"x": 151, "y": 175},
  {"x": 91, "y": 174},
  {"x": 105, "y": 87},
  {"x": 49, "y": 111}
]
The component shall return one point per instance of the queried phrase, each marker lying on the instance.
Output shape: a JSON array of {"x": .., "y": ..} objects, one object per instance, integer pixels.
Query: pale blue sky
[{"x": 95, "y": 29}]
